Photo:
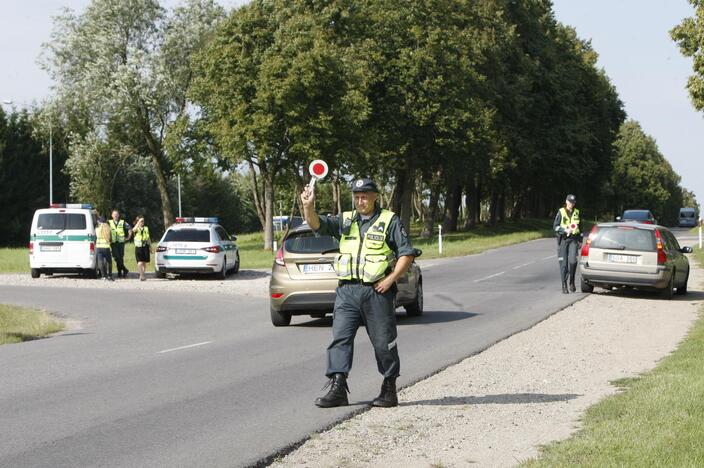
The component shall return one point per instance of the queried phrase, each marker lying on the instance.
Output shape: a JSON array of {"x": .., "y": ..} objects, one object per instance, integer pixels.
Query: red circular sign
[{"x": 318, "y": 169}]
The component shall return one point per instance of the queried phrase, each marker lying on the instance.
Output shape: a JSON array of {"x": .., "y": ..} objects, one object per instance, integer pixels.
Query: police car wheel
[
  {"x": 222, "y": 274},
  {"x": 236, "y": 266},
  {"x": 36, "y": 272},
  {"x": 159, "y": 274},
  {"x": 415, "y": 308},
  {"x": 280, "y": 318}
]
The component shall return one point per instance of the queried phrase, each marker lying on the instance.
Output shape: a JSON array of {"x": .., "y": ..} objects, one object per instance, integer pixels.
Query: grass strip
[
  {"x": 19, "y": 324},
  {"x": 658, "y": 419}
]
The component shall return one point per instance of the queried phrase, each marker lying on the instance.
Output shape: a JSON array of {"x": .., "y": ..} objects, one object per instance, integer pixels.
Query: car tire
[
  {"x": 236, "y": 266},
  {"x": 222, "y": 274},
  {"x": 415, "y": 308},
  {"x": 159, "y": 274},
  {"x": 682, "y": 290},
  {"x": 35, "y": 272},
  {"x": 666, "y": 292},
  {"x": 280, "y": 318},
  {"x": 586, "y": 287},
  {"x": 90, "y": 273}
]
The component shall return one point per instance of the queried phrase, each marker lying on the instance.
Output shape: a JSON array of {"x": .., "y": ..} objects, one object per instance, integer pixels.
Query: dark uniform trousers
[
  {"x": 356, "y": 304},
  {"x": 118, "y": 252},
  {"x": 567, "y": 255}
]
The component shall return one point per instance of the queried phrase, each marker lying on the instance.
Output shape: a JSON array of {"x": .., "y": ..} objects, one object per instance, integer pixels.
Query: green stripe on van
[{"x": 47, "y": 237}]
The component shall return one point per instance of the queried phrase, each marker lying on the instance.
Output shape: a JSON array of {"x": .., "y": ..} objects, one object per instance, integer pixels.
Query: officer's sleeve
[
  {"x": 557, "y": 223},
  {"x": 397, "y": 238},
  {"x": 329, "y": 225}
]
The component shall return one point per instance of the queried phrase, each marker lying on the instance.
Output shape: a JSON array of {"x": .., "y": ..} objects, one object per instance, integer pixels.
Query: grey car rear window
[
  {"x": 624, "y": 238},
  {"x": 187, "y": 235},
  {"x": 62, "y": 221},
  {"x": 307, "y": 242},
  {"x": 636, "y": 214}
]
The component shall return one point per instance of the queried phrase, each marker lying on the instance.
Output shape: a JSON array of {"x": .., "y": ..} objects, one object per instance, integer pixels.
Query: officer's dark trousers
[
  {"x": 104, "y": 262},
  {"x": 356, "y": 304},
  {"x": 118, "y": 252},
  {"x": 567, "y": 256}
]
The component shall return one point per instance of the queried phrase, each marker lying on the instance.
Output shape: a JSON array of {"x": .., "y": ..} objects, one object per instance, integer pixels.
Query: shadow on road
[
  {"x": 428, "y": 317},
  {"x": 502, "y": 399},
  {"x": 645, "y": 294}
]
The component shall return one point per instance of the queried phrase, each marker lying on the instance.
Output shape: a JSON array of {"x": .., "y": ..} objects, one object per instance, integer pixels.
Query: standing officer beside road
[
  {"x": 568, "y": 228},
  {"x": 142, "y": 245},
  {"x": 120, "y": 231},
  {"x": 374, "y": 252}
]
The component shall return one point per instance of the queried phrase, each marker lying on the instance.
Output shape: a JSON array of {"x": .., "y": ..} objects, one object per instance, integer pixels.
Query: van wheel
[
  {"x": 415, "y": 308},
  {"x": 586, "y": 287},
  {"x": 280, "y": 318},
  {"x": 222, "y": 274},
  {"x": 36, "y": 272},
  {"x": 236, "y": 267},
  {"x": 682, "y": 290},
  {"x": 666, "y": 292},
  {"x": 90, "y": 273},
  {"x": 159, "y": 274}
]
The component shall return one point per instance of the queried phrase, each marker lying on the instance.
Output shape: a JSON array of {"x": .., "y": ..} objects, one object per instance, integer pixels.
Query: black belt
[{"x": 354, "y": 281}]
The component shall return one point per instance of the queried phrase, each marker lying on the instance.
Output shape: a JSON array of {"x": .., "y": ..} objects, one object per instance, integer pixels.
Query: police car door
[{"x": 226, "y": 245}]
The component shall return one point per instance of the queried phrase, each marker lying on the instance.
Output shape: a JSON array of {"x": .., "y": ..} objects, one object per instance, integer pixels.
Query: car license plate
[
  {"x": 318, "y": 268},
  {"x": 614, "y": 258},
  {"x": 50, "y": 248},
  {"x": 185, "y": 251}
]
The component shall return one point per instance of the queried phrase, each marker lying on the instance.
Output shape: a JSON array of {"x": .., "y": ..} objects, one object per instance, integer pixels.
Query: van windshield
[
  {"x": 687, "y": 214},
  {"x": 61, "y": 221}
]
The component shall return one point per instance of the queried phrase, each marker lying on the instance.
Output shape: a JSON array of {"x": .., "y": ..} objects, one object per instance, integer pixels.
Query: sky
[{"x": 630, "y": 36}]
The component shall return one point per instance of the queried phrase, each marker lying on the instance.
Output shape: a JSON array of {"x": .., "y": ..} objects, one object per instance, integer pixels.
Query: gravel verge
[
  {"x": 245, "y": 283},
  {"x": 498, "y": 407}
]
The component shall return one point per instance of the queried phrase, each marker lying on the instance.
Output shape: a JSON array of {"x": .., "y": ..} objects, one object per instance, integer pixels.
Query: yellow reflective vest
[
  {"x": 101, "y": 242},
  {"x": 368, "y": 259},
  {"x": 117, "y": 230},
  {"x": 568, "y": 221},
  {"x": 141, "y": 237}
]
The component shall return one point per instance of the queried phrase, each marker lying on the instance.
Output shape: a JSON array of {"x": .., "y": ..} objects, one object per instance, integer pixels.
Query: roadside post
[
  {"x": 700, "y": 232},
  {"x": 440, "y": 239}
]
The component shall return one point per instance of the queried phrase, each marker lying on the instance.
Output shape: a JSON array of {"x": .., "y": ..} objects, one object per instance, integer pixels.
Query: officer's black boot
[
  {"x": 337, "y": 395},
  {"x": 573, "y": 270},
  {"x": 573, "y": 288},
  {"x": 564, "y": 288},
  {"x": 387, "y": 398}
]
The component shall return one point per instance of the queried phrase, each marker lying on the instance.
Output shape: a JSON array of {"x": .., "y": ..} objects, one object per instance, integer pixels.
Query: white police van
[
  {"x": 197, "y": 245},
  {"x": 62, "y": 240}
]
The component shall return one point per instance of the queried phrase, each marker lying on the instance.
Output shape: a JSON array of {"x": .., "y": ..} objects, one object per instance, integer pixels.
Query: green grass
[
  {"x": 19, "y": 324},
  {"x": 658, "y": 419},
  {"x": 252, "y": 255}
]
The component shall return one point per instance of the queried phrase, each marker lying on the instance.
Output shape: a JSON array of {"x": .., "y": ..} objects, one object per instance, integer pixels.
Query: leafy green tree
[
  {"x": 689, "y": 36},
  {"x": 124, "y": 67}
]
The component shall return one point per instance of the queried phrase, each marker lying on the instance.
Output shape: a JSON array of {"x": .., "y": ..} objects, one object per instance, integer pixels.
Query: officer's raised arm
[{"x": 309, "y": 214}]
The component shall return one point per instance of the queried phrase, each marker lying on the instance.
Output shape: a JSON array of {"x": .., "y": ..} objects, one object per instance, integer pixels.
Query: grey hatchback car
[
  {"x": 637, "y": 255},
  {"x": 303, "y": 280}
]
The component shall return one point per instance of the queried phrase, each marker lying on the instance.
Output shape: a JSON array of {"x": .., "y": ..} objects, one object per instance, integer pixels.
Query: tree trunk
[
  {"x": 473, "y": 203},
  {"x": 401, "y": 203},
  {"x": 493, "y": 206},
  {"x": 256, "y": 193},
  {"x": 268, "y": 210},
  {"x": 431, "y": 213},
  {"x": 452, "y": 207},
  {"x": 161, "y": 184}
]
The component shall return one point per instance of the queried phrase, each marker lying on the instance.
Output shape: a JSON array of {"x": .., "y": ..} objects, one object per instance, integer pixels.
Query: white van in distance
[{"x": 62, "y": 240}]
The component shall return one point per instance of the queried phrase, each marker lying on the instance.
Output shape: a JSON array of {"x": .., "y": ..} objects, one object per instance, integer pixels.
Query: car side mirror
[
  {"x": 686, "y": 250},
  {"x": 417, "y": 252},
  {"x": 618, "y": 218},
  {"x": 233, "y": 238}
]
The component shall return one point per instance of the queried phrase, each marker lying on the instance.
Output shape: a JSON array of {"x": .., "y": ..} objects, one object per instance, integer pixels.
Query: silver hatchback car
[{"x": 642, "y": 256}]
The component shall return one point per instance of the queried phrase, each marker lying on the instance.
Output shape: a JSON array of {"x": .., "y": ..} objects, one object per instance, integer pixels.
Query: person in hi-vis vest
[
  {"x": 142, "y": 245},
  {"x": 568, "y": 228},
  {"x": 374, "y": 253},
  {"x": 120, "y": 231},
  {"x": 102, "y": 249}
]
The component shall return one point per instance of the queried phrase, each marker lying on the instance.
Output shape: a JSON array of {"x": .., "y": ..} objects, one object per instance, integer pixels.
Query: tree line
[{"x": 464, "y": 111}]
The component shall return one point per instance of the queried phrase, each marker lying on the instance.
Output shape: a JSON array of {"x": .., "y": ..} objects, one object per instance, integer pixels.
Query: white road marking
[
  {"x": 522, "y": 265},
  {"x": 489, "y": 277},
  {"x": 548, "y": 258},
  {"x": 185, "y": 347}
]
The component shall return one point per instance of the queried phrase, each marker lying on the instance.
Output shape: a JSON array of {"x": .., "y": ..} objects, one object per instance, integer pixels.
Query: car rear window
[
  {"x": 187, "y": 235},
  {"x": 63, "y": 221},
  {"x": 636, "y": 215},
  {"x": 624, "y": 238},
  {"x": 307, "y": 242}
]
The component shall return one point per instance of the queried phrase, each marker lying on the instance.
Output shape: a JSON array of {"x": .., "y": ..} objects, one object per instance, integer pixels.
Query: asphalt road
[{"x": 195, "y": 379}]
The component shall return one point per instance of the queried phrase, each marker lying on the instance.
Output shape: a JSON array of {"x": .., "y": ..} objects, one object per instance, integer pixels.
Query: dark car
[
  {"x": 637, "y": 216},
  {"x": 303, "y": 280}
]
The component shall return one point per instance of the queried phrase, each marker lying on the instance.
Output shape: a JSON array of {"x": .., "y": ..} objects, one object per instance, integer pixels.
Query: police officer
[
  {"x": 374, "y": 252},
  {"x": 568, "y": 228},
  {"x": 120, "y": 232}
]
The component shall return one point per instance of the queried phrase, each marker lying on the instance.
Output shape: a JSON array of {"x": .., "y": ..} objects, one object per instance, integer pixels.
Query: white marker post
[
  {"x": 700, "y": 233},
  {"x": 318, "y": 169},
  {"x": 440, "y": 239}
]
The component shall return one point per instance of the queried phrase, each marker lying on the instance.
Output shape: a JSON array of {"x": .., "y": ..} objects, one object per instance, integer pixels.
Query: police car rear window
[
  {"x": 306, "y": 242},
  {"x": 63, "y": 221},
  {"x": 624, "y": 238},
  {"x": 187, "y": 235}
]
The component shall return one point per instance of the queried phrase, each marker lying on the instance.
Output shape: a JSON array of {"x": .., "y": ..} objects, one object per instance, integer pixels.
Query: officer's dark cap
[
  {"x": 364, "y": 185},
  {"x": 571, "y": 198}
]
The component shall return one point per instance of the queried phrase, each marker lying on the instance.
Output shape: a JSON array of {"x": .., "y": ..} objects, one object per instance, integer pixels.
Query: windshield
[
  {"x": 306, "y": 242},
  {"x": 624, "y": 238},
  {"x": 687, "y": 214},
  {"x": 187, "y": 235},
  {"x": 61, "y": 221}
]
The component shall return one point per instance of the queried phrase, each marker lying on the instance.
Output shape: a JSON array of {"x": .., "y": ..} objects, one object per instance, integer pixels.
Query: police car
[
  {"x": 197, "y": 245},
  {"x": 62, "y": 240}
]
